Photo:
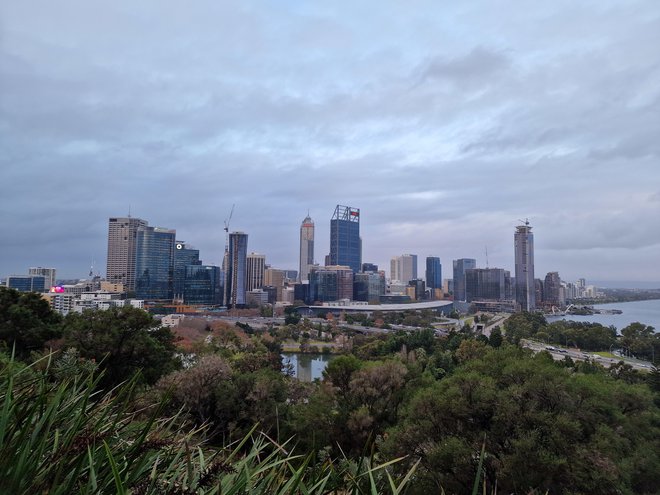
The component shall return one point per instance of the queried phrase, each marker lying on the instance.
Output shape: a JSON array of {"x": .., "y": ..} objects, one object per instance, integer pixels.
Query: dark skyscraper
[
  {"x": 203, "y": 285},
  {"x": 459, "y": 276},
  {"x": 237, "y": 270},
  {"x": 488, "y": 284},
  {"x": 523, "y": 240},
  {"x": 154, "y": 263},
  {"x": 183, "y": 256},
  {"x": 552, "y": 289},
  {"x": 433, "y": 272},
  {"x": 345, "y": 243}
]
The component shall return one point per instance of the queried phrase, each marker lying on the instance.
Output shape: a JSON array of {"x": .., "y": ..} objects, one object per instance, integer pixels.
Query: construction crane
[
  {"x": 225, "y": 260},
  {"x": 227, "y": 220}
]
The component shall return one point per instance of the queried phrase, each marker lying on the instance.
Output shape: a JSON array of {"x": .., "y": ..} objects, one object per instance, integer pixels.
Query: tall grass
[{"x": 59, "y": 435}]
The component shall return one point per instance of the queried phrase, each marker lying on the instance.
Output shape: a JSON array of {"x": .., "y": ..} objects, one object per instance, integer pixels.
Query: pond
[{"x": 306, "y": 367}]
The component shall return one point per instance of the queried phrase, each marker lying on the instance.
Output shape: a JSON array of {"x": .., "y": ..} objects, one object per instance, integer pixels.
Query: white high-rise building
[
  {"x": 306, "y": 248},
  {"x": 47, "y": 273},
  {"x": 122, "y": 245},
  {"x": 403, "y": 268},
  {"x": 523, "y": 240}
]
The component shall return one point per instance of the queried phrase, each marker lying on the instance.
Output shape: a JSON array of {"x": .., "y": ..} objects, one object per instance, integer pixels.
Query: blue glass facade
[
  {"x": 345, "y": 242},
  {"x": 460, "y": 266},
  {"x": 433, "y": 272},
  {"x": 154, "y": 263},
  {"x": 183, "y": 256},
  {"x": 27, "y": 283},
  {"x": 203, "y": 284}
]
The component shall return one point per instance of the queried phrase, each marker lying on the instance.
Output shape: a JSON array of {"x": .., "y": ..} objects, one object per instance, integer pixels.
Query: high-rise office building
[
  {"x": 203, "y": 285},
  {"x": 486, "y": 284},
  {"x": 403, "y": 268},
  {"x": 330, "y": 283},
  {"x": 552, "y": 289},
  {"x": 523, "y": 241},
  {"x": 460, "y": 266},
  {"x": 345, "y": 242},
  {"x": 122, "y": 238},
  {"x": 236, "y": 285},
  {"x": 27, "y": 283},
  {"x": 47, "y": 273},
  {"x": 256, "y": 264},
  {"x": 433, "y": 272},
  {"x": 154, "y": 263},
  {"x": 274, "y": 277},
  {"x": 369, "y": 286},
  {"x": 306, "y": 248},
  {"x": 184, "y": 256}
]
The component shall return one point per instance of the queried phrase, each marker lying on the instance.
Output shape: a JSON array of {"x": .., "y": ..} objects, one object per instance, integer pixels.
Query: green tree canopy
[
  {"x": 27, "y": 321},
  {"x": 125, "y": 341}
]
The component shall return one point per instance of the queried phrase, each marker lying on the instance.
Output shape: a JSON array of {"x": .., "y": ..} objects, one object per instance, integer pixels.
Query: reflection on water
[{"x": 306, "y": 367}]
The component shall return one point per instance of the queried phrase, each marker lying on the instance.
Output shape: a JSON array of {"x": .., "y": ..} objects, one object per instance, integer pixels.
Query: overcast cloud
[{"x": 444, "y": 122}]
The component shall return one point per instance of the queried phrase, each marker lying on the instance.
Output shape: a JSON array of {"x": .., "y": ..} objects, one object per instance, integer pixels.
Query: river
[
  {"x": 647, "y": 312},
  {"x": 306, "y": 367}
]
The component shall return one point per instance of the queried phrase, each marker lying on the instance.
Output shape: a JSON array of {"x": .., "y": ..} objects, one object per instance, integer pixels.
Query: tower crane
[
  {"x": 227, "y": 220},
  {"x": 225, "y": 260}
]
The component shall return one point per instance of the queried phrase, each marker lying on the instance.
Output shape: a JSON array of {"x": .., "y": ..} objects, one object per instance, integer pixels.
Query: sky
[{"x": 446, "y": 123}]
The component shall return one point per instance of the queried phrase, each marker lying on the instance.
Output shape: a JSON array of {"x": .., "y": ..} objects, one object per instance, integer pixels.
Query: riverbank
[{"x": 647, "y": 312}]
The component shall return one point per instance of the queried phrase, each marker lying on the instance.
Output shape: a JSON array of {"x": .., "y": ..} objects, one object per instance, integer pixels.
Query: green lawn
[{"x": 607, "y": 354}]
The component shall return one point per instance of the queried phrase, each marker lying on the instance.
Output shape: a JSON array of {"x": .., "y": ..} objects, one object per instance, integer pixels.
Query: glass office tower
[
  {"x": 154, "y": 263},
  {"x": 345, "y": 242}
]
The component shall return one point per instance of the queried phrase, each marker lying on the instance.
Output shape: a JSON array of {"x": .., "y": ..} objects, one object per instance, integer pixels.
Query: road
[{"x": 559, "y": 353}]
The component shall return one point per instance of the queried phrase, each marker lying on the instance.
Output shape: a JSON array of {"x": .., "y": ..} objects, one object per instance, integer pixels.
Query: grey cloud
[
  {"x": 442, "y": 142},
  {"x": 479, "y": 65}
]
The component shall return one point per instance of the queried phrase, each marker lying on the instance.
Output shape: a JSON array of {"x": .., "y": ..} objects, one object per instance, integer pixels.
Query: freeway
[{"x": 559, "y": 353}]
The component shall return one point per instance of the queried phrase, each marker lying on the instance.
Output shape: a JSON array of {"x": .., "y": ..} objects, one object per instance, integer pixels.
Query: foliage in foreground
[{"x": 59, "y": 436}]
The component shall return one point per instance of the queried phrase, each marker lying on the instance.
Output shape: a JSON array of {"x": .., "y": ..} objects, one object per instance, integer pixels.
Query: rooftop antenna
[
  {"x": 486, "y": 256},
  {"x": 91, "y": 269},
  {"x": 129, "y": 210}
]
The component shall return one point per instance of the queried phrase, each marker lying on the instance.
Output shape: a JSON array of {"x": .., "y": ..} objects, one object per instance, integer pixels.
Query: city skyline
[{"x": 461, "y": 120}]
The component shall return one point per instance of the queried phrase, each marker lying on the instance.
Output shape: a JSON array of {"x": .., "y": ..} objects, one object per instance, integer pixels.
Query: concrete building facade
[{"x": 122, "y": 244}]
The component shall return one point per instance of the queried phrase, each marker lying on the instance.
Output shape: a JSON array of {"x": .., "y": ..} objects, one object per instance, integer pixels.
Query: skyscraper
[
  {"x": 122, "y": 235},
  {"x": 460, "y": 266},
  {"x": 523, "y": 241},
  {"x": 236, "y": 270},
  {"x": 256, "y": 264},
  {"x": 203, "y": 285},
  {"x": 552, "y": 289},
  {"x": 306, "y": 248},
  {"x": 345, "y": 242},
  {"x": 488, "y": 284},
  {"x": 330, "y": 283},
  {"x": 154, "y": 263},
  {"x": 433, "y": 272},
  {"x": 184, "y": 256},
  {"x": 403, "y": 268}
]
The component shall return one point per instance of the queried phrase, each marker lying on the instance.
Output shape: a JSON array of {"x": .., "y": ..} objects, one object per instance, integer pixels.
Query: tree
[
  {"x": 495, "y": 339},
  {"x": 124, "y": 341},
  {"x": 546, "y": 428},
  {"x": 641, "y": 340},
  {"x": 27, "y": 322},
  {"x": 291, "y": 316}
]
